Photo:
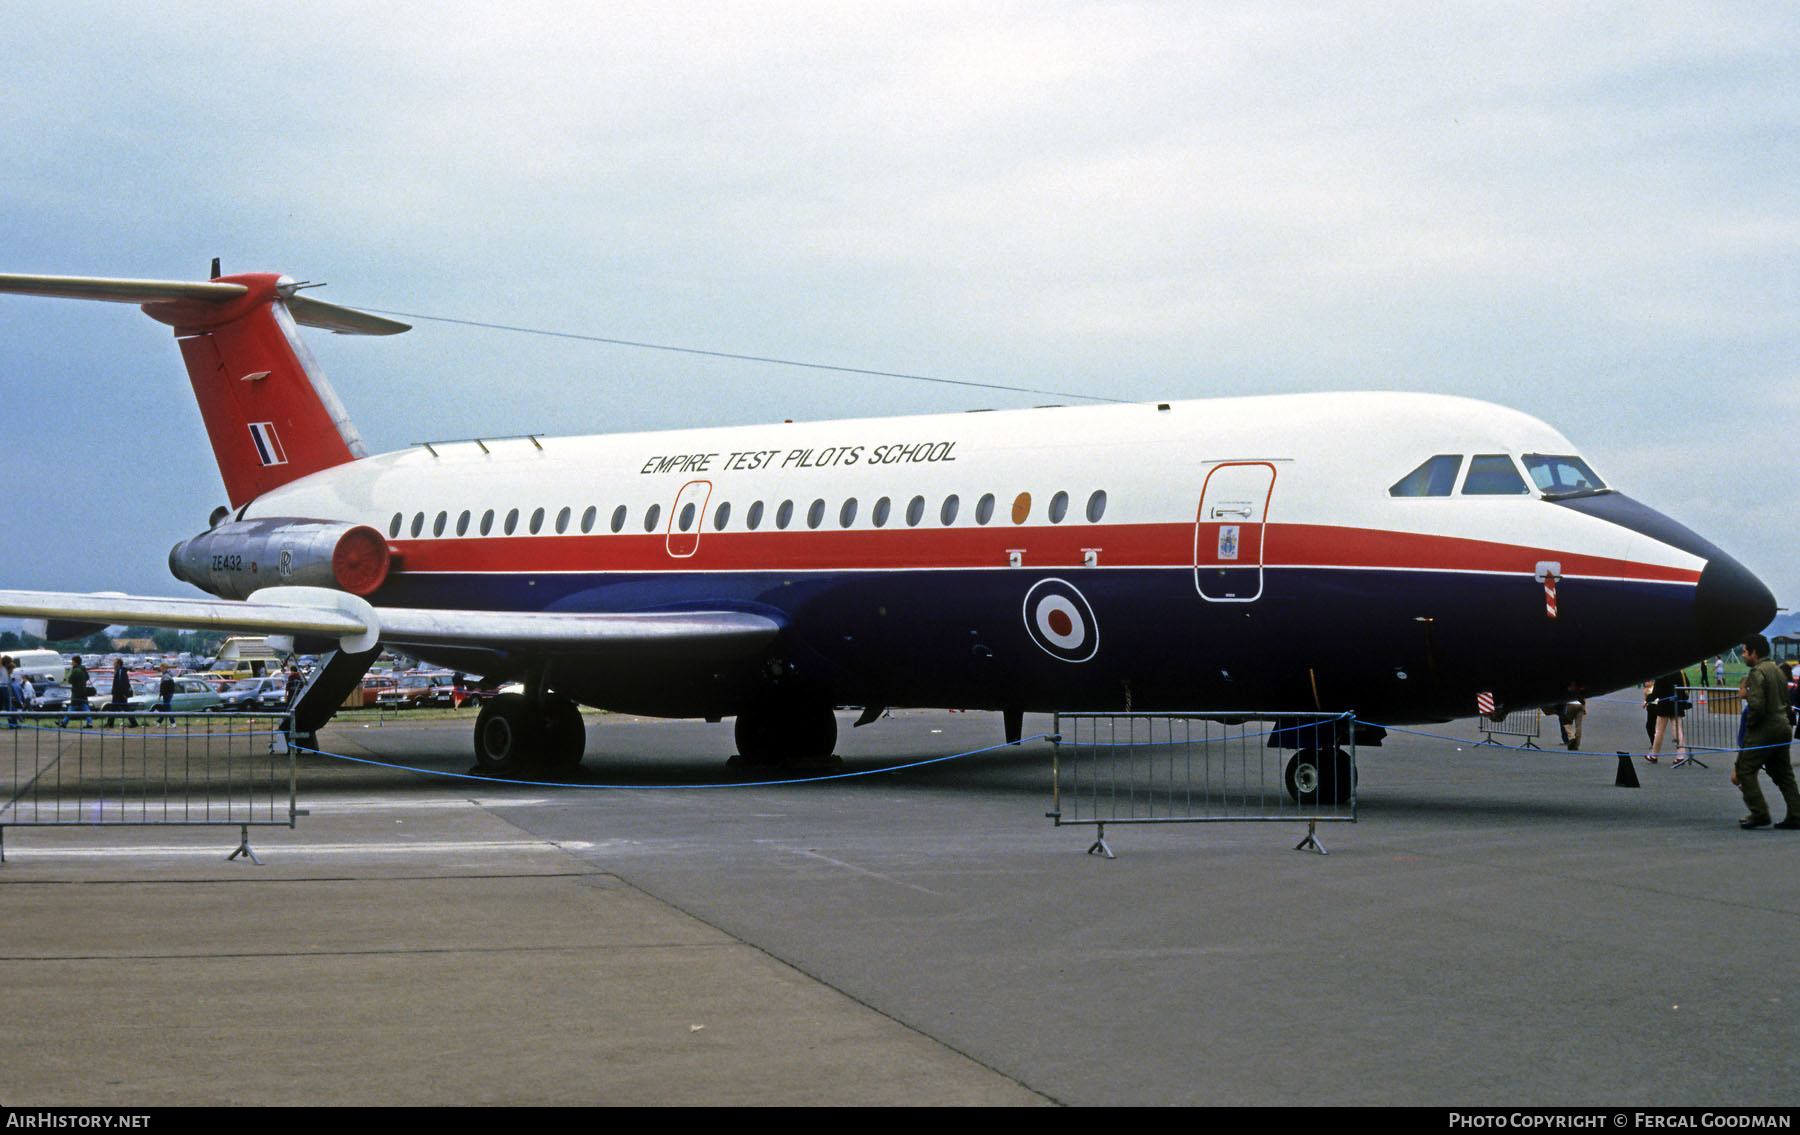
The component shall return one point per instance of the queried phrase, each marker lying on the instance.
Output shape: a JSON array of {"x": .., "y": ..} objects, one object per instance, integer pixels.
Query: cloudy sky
[{"x": 1590, "y": 212}]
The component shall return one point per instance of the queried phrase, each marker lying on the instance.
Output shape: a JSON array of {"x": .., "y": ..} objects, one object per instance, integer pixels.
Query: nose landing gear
[{"x": 1319, "y": 777}]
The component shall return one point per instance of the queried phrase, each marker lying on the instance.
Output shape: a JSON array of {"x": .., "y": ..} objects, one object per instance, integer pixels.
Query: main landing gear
[
  {"x": 1317, "y": 777},
  {"x": 517, "y": 730},
  {"x": 785, "y": 732}
]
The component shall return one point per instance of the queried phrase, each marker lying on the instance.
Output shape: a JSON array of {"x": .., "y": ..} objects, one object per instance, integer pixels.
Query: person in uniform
[{"x": 1767, "y": 738}]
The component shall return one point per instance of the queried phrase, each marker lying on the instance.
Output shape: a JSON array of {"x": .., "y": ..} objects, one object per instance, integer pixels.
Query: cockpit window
[
  {"x": 1493, "y": 475},
  {"x": 1435, "y": 478},
  {"x": 1556, "y": 475}
]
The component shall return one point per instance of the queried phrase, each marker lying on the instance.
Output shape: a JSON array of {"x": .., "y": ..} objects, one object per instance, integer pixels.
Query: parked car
[
  {"x": 249, "y": 695},
  {"x": 274, "y": 696},
  {"x": 191, "y": 695},
  {"x": 469, "y": 693},
  {"x": 53, "y": 697},
  {"x": 417, "y": 690}
]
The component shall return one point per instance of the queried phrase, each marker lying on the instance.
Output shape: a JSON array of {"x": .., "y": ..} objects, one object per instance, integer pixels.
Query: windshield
[{"x": 1561, "y": 474}]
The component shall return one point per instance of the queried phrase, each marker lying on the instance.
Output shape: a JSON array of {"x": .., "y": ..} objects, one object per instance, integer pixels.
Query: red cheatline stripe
[{"x": 1139, "y": 545}]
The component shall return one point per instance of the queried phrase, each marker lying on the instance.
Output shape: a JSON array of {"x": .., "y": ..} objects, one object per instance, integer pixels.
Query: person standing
[
  {"x": 1663, "y": 709},
  {"x": 11, "y": 695},
  {"x": 1767, "y": 738},
  {"x": 121, "y": 695},
  {"x": 78, "y": 693},
  {"x": 165, "y": 697}
]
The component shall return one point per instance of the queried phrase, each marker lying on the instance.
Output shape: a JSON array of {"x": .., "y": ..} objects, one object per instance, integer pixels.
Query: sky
[{"x": 1587, "y": 212}]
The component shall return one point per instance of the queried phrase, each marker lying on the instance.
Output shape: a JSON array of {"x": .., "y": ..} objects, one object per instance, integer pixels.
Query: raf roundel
[{"x": 1059, "y": 620}]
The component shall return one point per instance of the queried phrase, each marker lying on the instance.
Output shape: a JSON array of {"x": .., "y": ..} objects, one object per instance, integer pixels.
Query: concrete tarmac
[{"x": 1499, "y": 928}]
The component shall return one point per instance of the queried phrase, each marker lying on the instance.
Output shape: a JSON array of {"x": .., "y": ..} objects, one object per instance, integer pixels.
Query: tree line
[{"x": 167, "y": 641}]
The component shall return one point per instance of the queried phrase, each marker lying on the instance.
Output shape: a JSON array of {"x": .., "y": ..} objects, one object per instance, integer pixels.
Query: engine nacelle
[{"x": 234, "y": 559}]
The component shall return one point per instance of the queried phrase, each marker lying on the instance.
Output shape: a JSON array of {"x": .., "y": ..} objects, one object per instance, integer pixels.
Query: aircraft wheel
[
  {"x": 564, "y": 734},
  {"x": 786, "y": 732},
  {"x": 504, "y": 734},
  {"x": 1320, "y": 778}
]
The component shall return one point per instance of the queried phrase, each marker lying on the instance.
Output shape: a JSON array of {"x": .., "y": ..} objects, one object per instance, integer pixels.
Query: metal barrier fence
[
  {"x": 1711, "y": 720},
  {"x": 1137, "y": 768},
  {"x": 172, "y": 769},
  {"x": 1525, "y": 724}
]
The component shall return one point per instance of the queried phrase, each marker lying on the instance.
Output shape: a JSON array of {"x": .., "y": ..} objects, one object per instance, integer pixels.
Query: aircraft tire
[
  {"x": 780, "y": 733},
  {"x": 504, "y": 733},
  {"x": 564, "y": 735},
  {"x": 1314, "y": 778}
]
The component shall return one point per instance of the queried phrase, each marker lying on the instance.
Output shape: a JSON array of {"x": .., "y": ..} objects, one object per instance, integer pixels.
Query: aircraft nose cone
[{"x": 1730, "y": 603}]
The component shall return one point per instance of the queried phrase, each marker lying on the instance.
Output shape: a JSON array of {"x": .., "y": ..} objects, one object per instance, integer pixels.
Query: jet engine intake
[{"x": 233, "y": 559}]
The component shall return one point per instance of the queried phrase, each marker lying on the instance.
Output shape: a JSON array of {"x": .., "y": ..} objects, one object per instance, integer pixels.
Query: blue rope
[{"x": 665, "y": 787}]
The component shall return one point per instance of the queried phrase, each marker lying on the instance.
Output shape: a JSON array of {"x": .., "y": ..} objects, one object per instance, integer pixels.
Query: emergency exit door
[{"x": 1228, "y": 534}]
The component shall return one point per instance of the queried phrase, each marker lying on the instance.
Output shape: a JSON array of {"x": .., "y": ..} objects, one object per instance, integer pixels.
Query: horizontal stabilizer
[
  {"x": 119, "y": 291},
  {"x": 309, "y": 312},
  {"x": 305, "y": 310}
]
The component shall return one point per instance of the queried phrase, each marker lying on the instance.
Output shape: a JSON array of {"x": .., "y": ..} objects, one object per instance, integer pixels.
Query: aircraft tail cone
[{"x": 1627, "y": 776}]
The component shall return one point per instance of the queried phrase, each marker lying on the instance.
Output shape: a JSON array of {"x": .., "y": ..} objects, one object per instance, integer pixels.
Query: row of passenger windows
[
  {"x": 685, "y": 521},
  {"x": 1494, "y": 474}
]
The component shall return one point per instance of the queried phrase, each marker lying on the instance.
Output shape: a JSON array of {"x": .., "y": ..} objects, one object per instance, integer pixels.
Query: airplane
[{"x": 1414, "y": 558}]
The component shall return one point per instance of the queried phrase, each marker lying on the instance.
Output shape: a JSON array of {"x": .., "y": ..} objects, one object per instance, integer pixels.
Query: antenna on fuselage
[{"x": 215, "y": 271}]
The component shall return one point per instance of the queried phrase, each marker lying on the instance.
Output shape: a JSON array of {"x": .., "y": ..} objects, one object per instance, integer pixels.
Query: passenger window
[
  {"x": 512, "y": 521},
  {"x": 394, "y": 524},
  {"x": 984, "y": 508},
  {"x": 687, "y": 516},
  {"x": 784, "y": 515},
  {"x": 618, "y": 518},
  {"x": 487, "y": 522},
  {"x": 947, "y": 514},
  {"x": 562, "y": 521},
  {"x": 915, "y": 511},
  {"x": 816, "y": 514},
  {"x": 1565, "y": 474},
  {"x": 880, "y": 516},
  {"x": 1493, "y": 475},
  {"x": 1021, "y": 508},
  {"x": 418, "y": 524},
  {"x": 1096, "y": 506},
  {"x": 587, "y": 519},
  {"x": 753, "y": 518},
  {"x": 1435, "y": 478},
  {"x": 437, "y": 526},
  {"x": 537, "y": 520},
  {"x": 721, "y": 516},
  {"x": 847, "y": 514},
  {"x": 651, "y": 515},
  {"x": 462, "y": 523},
  {"x": 1059, "y": 507}
]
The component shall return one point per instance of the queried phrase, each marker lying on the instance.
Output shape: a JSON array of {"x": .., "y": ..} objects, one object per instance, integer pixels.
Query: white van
[{"x": 42, "y": 666}]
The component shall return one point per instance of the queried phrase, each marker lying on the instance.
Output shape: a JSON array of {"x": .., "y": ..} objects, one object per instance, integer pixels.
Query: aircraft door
[
  {"x": 1228, "y": 534},
  {"x": 686, "y": 517}
]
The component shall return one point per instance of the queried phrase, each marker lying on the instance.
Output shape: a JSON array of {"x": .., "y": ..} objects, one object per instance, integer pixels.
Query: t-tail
[{"x": 269, "y": 412}]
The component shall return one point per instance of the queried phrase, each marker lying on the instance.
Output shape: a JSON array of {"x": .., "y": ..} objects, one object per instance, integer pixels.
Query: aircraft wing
[{"x": 318, "y": 612}]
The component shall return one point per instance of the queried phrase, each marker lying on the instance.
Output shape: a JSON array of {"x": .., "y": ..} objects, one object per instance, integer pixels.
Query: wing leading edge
[{"x": 357, "y": 626}]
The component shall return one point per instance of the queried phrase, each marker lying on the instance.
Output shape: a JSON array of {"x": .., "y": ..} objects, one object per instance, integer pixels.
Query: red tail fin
[{"x": 268, "y": 410}]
